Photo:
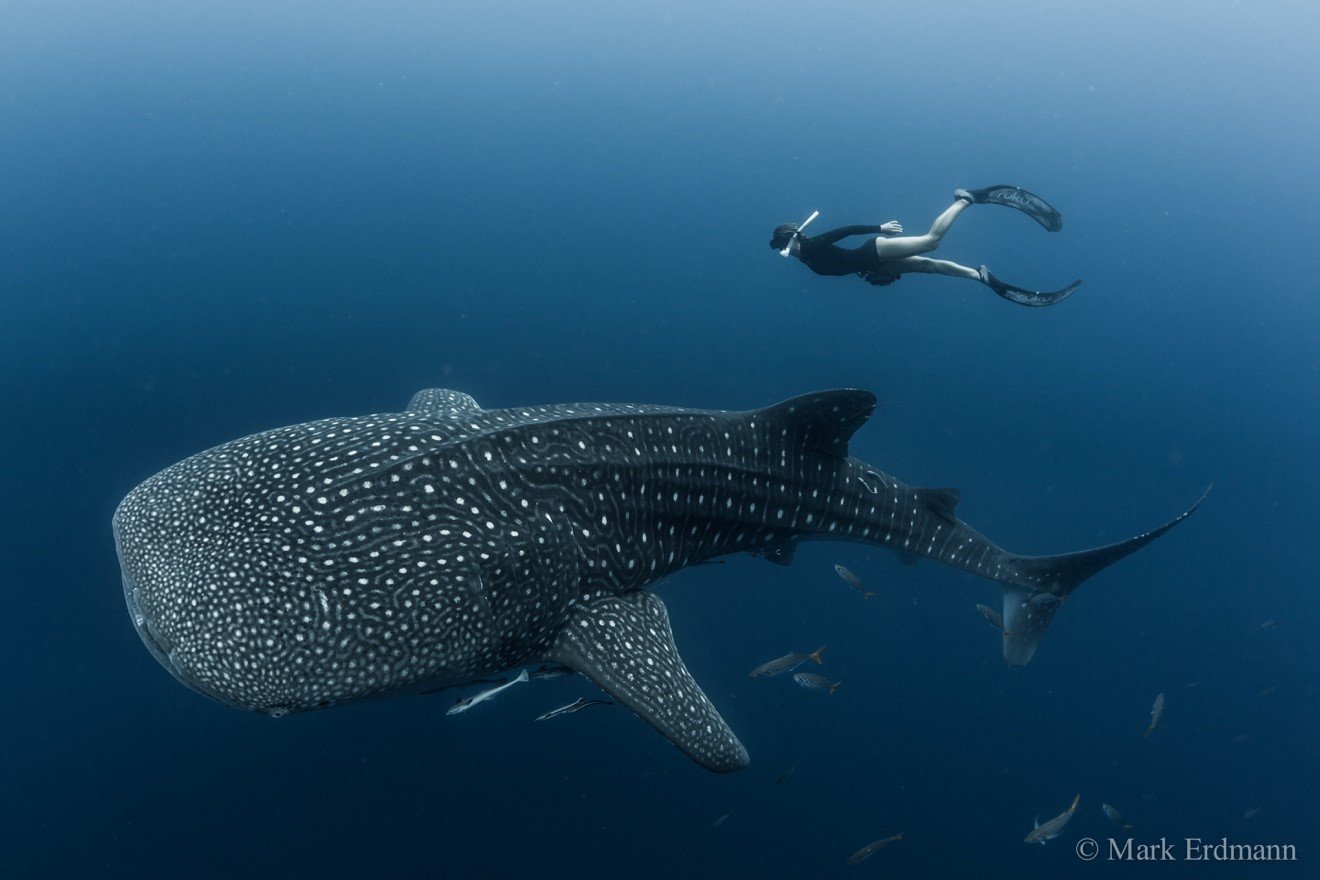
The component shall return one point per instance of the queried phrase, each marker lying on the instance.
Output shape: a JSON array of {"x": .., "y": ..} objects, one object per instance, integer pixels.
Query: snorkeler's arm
[{"x": 844, "y": 231}]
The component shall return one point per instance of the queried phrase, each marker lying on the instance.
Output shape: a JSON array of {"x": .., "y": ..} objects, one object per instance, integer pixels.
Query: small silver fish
[
  {"x": 550, "y": 671},
  {"x": 786, "y": 775},
  {"x": 465, "y": 704},
  {"x": 993, "y": 617},
  {"x": 1045, "y": 598},
  {"x": 1268, "y": 625},
  {"x": 813, "y": 682},
  {"x": 1051, "y": 829},
  {"x": 1156, "y": 712},
  {"x": 1252, "y": 813},
  {"x": 576, "y": 706},
  {"x": 786, "y": 663},
  {"x": 853, "y": 581},
  {"x": 721, "y": 820},
  {"x": 1116, "y": 817},
  {"x": 870, "y": 849}
]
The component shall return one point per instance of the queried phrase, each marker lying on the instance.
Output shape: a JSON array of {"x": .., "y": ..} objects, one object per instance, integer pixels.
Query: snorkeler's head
[{"x": 784, "y": 233}]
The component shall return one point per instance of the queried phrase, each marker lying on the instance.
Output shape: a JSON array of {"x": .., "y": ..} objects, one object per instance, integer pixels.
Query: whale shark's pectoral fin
[
  {"x": 443, "y": 403},
  {"x": 624, "y": 645}
]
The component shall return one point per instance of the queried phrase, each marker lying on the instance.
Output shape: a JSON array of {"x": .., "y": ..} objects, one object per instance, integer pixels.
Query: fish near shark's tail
[{"x": 1039, "y": 584}]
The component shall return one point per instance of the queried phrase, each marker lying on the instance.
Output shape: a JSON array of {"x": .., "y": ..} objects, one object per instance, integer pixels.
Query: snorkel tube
[{"x": 789, "y": 247}]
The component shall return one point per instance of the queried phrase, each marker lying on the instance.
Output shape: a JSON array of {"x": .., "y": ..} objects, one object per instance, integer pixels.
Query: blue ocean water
[{"x": 225, "y": 218}]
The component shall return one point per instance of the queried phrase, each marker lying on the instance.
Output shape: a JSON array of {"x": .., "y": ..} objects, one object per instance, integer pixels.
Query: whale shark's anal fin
[
  {"x": 625, "y": 646},
  {"x": 443, "y": 403}
]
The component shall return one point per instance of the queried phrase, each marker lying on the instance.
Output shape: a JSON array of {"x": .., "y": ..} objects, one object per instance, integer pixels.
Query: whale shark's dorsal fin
[
  {"x": 940, "y": 502},
  {"x": 625, "y": 646},
  {"x": 822, "y": 422},
  {"x": 443, "y": 403}
]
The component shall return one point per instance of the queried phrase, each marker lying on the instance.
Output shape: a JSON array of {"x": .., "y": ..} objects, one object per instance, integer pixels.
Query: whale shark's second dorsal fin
[
  {"x": 940, "y": 502},
  {"x": 822, "y": 422},
  {"x": 443, "y": 403},
  {"x": 625, "y": 646}
]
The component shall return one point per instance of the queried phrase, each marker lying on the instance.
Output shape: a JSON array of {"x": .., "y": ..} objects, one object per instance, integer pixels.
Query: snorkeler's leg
[
  {"x": 937, "y": 267},
  {"x": 912, "y": 245},
  {"x": 945, "y": 220}
]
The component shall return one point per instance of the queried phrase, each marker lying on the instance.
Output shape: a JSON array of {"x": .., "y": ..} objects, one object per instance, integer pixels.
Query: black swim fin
[
  {"x": 1026, "y": 297},
  {"x": 1016, "y": 197}
]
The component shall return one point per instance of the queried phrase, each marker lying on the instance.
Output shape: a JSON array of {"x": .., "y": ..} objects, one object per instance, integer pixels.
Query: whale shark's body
[{"x": 354, "y": 558}]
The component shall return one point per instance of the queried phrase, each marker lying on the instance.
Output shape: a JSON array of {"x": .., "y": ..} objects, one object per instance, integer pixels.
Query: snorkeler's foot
[{"x": 965, "y": 195}]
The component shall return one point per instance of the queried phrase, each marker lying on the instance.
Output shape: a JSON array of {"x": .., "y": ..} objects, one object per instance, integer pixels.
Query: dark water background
[{"x": 219, "y": 219}]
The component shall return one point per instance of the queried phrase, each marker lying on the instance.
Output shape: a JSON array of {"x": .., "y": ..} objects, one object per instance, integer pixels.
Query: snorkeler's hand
[{"x": 893, "y": 227}]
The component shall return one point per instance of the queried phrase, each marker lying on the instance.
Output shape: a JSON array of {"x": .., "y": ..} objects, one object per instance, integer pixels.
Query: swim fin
[
  {"x": 1026, "y": 297},
  {"x": 1016, "y": 197}
]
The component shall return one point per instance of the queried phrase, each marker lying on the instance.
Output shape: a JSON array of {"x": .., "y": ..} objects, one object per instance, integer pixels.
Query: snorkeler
[{"x": 883, "y": 260}]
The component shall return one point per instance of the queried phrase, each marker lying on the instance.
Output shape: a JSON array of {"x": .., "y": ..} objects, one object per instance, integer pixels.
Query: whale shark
[{"x": 364, "y": 557}]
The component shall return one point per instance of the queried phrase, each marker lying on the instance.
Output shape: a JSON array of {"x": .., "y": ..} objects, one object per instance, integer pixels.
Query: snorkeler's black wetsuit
[{"x": 824, "y": 257}]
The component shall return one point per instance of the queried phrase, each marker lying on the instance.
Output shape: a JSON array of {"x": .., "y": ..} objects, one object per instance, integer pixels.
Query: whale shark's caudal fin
[
  {"x": 1041, "y": 583},
  {"x": 625, "y": 646}
]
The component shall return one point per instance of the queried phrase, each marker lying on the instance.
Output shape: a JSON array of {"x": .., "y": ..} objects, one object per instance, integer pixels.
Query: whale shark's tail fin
[{"x": 1041, "y": 583}]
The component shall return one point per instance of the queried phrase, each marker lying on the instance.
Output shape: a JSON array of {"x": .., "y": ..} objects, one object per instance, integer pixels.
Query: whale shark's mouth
[
  {"x": 165, "y": 652},
  {"x": 160, "y": 647},
  {"x": 156, "y": 643}
]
